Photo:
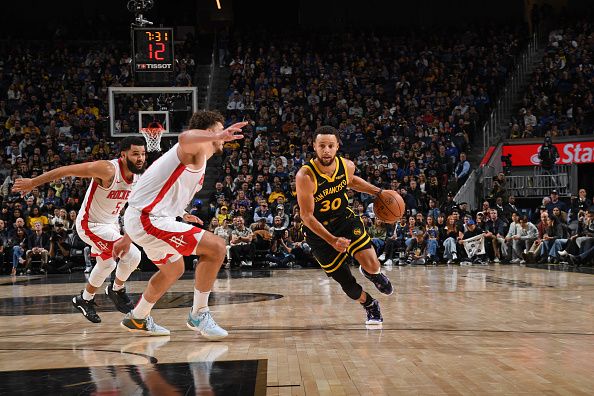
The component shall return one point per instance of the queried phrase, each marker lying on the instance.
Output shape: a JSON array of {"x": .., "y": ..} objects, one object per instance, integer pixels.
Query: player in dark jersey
[{"x": 331, "y": 228}]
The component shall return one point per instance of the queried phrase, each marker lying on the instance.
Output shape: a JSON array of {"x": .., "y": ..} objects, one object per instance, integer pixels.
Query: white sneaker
[
  {"x": 382, "y": 257},
  {"x": 496, "y": 260},
  {"x": 562, "y": 253},
  {"x": 516, "y": 261},
  {"x": 88, "y": 270},
  {"x": 204, "y": 324},
  {"x": 388, "y": 262},
  {"x": 522, "y": 261},
  {"x": 145, "y": 326}
]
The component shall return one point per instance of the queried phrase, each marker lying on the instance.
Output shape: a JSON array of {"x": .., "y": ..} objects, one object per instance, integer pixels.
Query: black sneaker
[
  {"x": 573, "y": 260},
  {"x": 87, "y": 308},
  {"x": 119, "y": 298},
  {"x": 374, "y": 315},
  {"x": 381, "y": 281}
]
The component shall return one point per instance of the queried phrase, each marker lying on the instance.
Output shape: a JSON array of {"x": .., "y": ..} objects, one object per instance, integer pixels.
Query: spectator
[
  {"x": 552, "y": 232},
  {"x": 451, "y": 233},
  {"x": 262, "y": 212},
  {"x": 555, "y": 203},
  {"x": 494, "y": 237},
  {"x": 241, "y": 243},
  {"x": 18, "y": 242},
  {"x": 417, "y": 249},
  {"x": 38, "y": 245},
  {"x": 462, "y": 170},
  {"x": 548, "y": 155},
  {"x": 281, "y": 250},
  {"x": 4, "y": 245},
  {"x": 378, "y": 232},
  {"x": 472, "y": 231}
]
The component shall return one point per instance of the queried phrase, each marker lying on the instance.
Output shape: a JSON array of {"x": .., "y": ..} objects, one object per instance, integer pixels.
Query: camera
[{"x": 138, "y": 7}]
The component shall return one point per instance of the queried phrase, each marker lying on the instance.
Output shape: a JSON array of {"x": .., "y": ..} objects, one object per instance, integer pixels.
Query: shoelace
[
  {"x": 123, "y": 295},
  {"x": 150, "y": 323},
  {"x": 373, "y": 312},
  {"x": 207, "y": 323}
]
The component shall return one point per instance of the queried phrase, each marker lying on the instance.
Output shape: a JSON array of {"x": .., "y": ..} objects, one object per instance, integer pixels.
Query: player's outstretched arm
[
  {"x": 102, "y": 170},
  {"x": 359, "y": 184},
  {"x": 190, "y": 140},
  {"x": 305, "y": 198}
]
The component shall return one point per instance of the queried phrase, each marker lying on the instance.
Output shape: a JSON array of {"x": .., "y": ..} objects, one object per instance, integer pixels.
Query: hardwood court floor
[{"x": 447, "y": 330}]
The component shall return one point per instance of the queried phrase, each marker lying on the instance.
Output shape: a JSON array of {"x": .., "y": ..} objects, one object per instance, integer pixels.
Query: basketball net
[{"x": 153, "y": 135}]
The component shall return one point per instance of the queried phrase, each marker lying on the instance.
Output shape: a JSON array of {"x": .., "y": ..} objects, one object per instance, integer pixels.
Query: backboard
[{"x": 133, "y": 108}]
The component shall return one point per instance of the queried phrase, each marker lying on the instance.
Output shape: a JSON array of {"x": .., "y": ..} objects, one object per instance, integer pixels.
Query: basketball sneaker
[
  {"x": 381, "y": 281},
  {"x": 374, "y": 315},
  {"x": 119, "y": 298},
  {"x": 145, "y": 326},
  {"x": 204, "y": 324},
  {"x": 87, "y": 308}
]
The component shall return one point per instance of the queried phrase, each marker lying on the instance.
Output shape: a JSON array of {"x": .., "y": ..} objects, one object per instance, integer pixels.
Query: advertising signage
[{"x": 569, "y": 153}]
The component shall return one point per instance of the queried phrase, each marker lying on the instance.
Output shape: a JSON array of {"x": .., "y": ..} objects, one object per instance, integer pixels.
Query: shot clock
[{"x": 153, "y": 49}]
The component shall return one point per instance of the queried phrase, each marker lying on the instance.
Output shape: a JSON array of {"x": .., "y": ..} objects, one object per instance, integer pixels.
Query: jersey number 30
[{"x": 327, "y": 205}]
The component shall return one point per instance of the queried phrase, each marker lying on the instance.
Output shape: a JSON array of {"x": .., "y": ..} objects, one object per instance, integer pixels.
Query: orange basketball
[{"x": 389, "y": 206}]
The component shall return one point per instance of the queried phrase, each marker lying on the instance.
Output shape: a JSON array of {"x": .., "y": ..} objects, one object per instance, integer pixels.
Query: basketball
[{"x": 389, "y": 206}]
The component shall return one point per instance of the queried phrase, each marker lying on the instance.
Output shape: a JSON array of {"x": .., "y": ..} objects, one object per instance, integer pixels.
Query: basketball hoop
[{"x": 153, "y": 137}]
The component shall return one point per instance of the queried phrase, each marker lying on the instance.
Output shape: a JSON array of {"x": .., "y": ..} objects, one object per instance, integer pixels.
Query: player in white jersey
[
  {"x": 97, "y": 221},
  {"x": 161, "y": 194}
]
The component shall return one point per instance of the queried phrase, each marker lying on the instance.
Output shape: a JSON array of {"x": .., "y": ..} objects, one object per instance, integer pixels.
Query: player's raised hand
[
  {"x": 233, "y": 132},
  {"x": 341, "y": 244},
  {"x": 23, "y": 185}
]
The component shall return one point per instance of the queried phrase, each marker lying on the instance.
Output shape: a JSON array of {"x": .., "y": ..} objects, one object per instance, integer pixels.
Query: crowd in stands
[
  {"x": 53, "y": 111},
  {"x": 407, "y": 108},
  {"x": 558, "y": 101}
]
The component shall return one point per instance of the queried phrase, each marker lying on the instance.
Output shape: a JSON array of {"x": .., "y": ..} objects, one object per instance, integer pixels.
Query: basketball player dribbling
[
  {"x": 97, "y": 221},
  {"x": 161, "y": 194},
  {"x": 331, "y": 228}
]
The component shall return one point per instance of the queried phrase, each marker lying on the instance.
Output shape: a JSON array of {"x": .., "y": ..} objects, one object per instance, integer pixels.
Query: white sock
[
  {"x": 373, "y": 273},
  {"x": 117, "y": 287},
  {"x": 142, "y": 309},
  {"x": 87, "y": 296},
  {"x": 200, "y": 302}
]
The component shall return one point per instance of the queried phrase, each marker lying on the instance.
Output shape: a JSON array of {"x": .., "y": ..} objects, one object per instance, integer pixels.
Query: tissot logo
[{"x": 147, "y": 66}]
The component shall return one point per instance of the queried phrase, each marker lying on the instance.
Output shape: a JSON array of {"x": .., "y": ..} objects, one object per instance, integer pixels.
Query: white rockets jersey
[
  {"x": 103, "y": 205},
  {"x": 167, "y": 186}
]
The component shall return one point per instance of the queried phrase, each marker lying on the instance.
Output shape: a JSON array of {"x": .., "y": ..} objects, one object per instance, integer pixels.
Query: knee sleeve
[
  {"x": 347, "y": 282},
  {"x": 101, "y": 271},
  {"x": 128, "y": 263}
]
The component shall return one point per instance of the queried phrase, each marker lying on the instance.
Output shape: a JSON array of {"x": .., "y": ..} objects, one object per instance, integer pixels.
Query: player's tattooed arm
[
  {"x": 359, "y": 184},
  {"x": 104, "y": 171}
]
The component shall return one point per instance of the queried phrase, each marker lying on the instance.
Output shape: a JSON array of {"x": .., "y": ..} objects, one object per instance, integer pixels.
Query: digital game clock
[{"x": 153, "y": 49}]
